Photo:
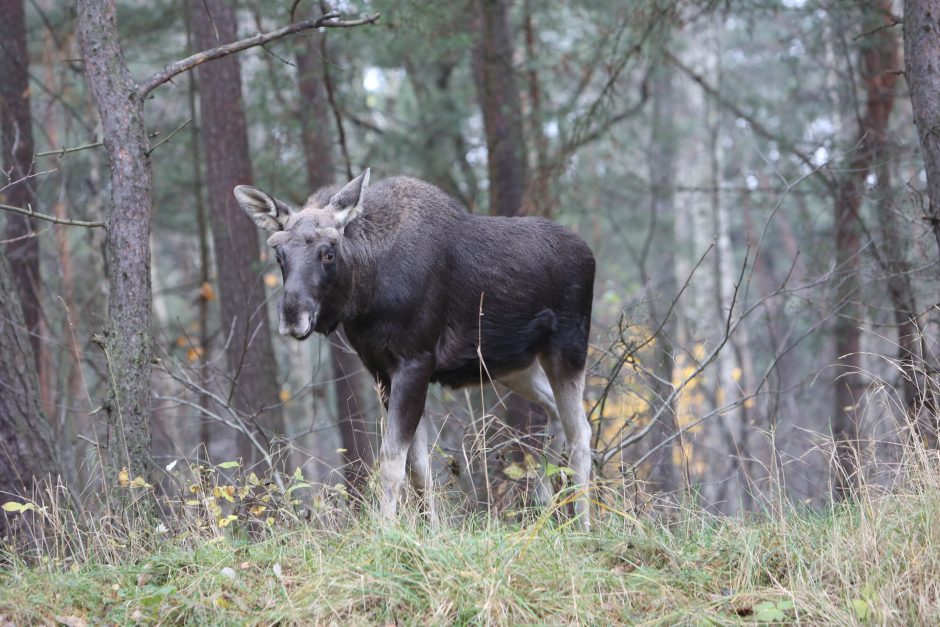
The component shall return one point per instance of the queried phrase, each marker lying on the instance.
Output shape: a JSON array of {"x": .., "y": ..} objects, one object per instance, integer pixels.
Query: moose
[{"x": 427, "y": 292}]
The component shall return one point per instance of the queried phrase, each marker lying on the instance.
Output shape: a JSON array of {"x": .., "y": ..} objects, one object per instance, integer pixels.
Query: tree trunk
[
  {"x": 16, "y": 130},
  {"x": 128, "y": 339},
  {"x": 662, "y": 474},
  {"x": 24, "y": 432},
  {"x": 507, "y": 164},
  {"x": 502, "y": 112},
  {"x": 922, "y": 70},
  {"x": 879, "y": 60},
  {"x": 244, "y": 314},
  {"x": 318, "y": 150}
]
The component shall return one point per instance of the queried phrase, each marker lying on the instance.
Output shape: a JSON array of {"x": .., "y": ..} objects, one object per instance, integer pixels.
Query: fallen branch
[{"x": 327, "y": 20}]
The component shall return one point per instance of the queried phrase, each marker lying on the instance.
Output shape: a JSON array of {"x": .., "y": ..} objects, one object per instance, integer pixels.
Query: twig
[
  {"x": 54, "y": 219},
  {"x": 168, "y": 137},
  {"x": 755, "y": 124},
  {"x": 327, "y": 20},
  {"x": 331, "y": 98},
  {"x": 64, "y": 151}
]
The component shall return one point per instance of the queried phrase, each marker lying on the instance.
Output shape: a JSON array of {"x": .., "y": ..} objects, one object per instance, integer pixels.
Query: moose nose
[{"x": 298, "y": 316}]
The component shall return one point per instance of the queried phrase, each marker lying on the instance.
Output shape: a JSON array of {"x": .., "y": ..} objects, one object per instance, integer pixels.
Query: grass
[{"x": 876, "y": 561}]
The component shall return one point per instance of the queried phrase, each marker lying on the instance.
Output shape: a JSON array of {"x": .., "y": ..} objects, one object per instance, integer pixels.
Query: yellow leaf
[
  {"x": 191, "y": 502},
  {"x": 124, "y": 477},
  {"x": 225, "y": 492},
  {"x": 17, "y": 508},
  {"x": 285, "y": 394},
  {"x": 206, "y": 292},
  {"x": 225, "y": 522},
  {"x": 256, "y": 510},
  {"x": 270, "y": 279},
  {"x": 182, "y": 341},
  {"x": 269, "y": 521},
  {"x": 736, "y": 374},
  {"x": 139, "y": 482},
  {"x": 194, "y": 354}
]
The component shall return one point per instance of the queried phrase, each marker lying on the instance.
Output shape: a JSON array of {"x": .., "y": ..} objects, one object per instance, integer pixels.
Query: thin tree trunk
[
  {"x": 922, "y": 70},
  {"x": 25, "y": 453},
  {"x": 16, "y": 132},
  {"x": 244, "y": 314},
  {"x": 662, "y": 475},
  {"x": 879, "y": 60},
  {"x": 128, "y": 340},
  {"x": 318, "y": 149},
  {"x": 202, "y": 227},
  {"x": 502, "y": 112}
]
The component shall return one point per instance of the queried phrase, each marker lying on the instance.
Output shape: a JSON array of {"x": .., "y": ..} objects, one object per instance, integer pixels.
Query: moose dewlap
[{"x": 422, "y": 288}]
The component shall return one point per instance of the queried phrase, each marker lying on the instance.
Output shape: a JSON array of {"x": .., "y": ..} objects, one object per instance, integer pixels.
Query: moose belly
[{"x": 506, "y": 345}]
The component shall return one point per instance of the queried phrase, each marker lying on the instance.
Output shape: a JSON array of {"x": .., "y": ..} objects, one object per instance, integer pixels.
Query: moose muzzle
[{"x": 298, "y": 317}]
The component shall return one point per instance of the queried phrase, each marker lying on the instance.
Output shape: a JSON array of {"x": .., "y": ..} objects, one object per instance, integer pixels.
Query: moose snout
[{"x": 298, "y": 316}]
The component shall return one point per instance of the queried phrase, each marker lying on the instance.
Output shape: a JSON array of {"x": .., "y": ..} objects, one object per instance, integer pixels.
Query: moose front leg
[{"x": 409, "y": 389}]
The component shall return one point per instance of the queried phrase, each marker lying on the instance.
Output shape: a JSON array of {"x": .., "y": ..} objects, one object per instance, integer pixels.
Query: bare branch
[
  {"x": 64, "y": 151},
  {"x": 755, "y": 124},
  {"x": 327, "y": 20},
  {"x": 43, "y": 216}
]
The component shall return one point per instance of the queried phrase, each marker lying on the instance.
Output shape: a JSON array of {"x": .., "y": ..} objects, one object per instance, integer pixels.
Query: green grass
[{"x": 875, "y": 562}]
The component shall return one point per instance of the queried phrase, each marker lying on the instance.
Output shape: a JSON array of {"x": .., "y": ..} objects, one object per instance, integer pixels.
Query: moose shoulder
[{"x": 423, "y": 289}]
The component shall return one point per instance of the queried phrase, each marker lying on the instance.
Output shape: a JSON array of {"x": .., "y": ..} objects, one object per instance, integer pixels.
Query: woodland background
[{"x": 749, "y": 175}]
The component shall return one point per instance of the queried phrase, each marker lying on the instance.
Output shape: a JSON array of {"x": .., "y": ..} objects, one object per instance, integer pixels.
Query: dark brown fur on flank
[
  {"x": 419, "y": 284},
  {"x": 422, "y": 267}
]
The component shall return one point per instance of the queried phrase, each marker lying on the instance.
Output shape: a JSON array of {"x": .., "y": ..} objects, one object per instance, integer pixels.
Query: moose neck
[{"x": 361, "y": 247}]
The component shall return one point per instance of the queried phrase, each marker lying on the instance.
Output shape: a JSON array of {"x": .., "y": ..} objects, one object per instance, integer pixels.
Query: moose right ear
[{"x": 265, "y": 210}]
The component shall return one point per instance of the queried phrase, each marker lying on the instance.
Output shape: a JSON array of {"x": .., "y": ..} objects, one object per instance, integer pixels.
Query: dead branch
[
  {"x": 755, "y": 124},
  {"x": 327, "y": 20},
  {"x": 42, "y": 216}
]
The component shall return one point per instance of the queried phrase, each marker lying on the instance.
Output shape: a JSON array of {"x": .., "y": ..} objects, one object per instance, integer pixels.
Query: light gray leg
[
  {"x": 569, "y": 394},
  {"x": 409, "y": 389},
  {"x": 419, "y": 470},
  {"x": 532, "y": 384}
]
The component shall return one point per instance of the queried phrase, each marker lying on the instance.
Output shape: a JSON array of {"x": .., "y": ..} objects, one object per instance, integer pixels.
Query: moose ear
[
  {"x": 265, "y": 210},
  {"x": 347, "y": 203}
]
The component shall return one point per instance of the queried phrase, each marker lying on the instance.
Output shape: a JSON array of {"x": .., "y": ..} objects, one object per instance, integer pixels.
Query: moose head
[{"x": 308, "y": 246}]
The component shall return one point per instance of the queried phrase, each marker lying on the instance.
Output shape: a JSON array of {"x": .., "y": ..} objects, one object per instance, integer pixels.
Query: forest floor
[{"x": 876, "y": 561}]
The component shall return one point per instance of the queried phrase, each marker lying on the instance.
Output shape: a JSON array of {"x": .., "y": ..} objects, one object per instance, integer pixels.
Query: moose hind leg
[
  {"x": 568, "y": 387},
  {"x": 419, "y": 471},
  {"x": 533, "y": 385}
]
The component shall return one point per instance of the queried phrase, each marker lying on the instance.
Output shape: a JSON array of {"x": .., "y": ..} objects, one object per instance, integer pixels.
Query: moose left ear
[
  {"x": 347, "y": 203},
  {"x": 265, "y": 210}
]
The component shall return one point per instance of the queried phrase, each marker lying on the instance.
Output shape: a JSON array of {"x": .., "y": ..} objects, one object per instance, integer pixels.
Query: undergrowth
[{"x": 874, "y": 561}]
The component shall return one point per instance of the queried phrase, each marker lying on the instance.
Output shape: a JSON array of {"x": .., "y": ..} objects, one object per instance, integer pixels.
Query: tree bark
[
  {"x": 128, "y": 339},
  {"x": 16, "y": 131},
  {"x": 879, "y": 60},
  {"x": 318, "y": 149},
  {"x": 244, "y": 315},
  {"x": 25, "y": 453},
  {"x": 922, "y": 70},
  {"x": 663, "y": 475},
  {"x": 502, "y": 113}
]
